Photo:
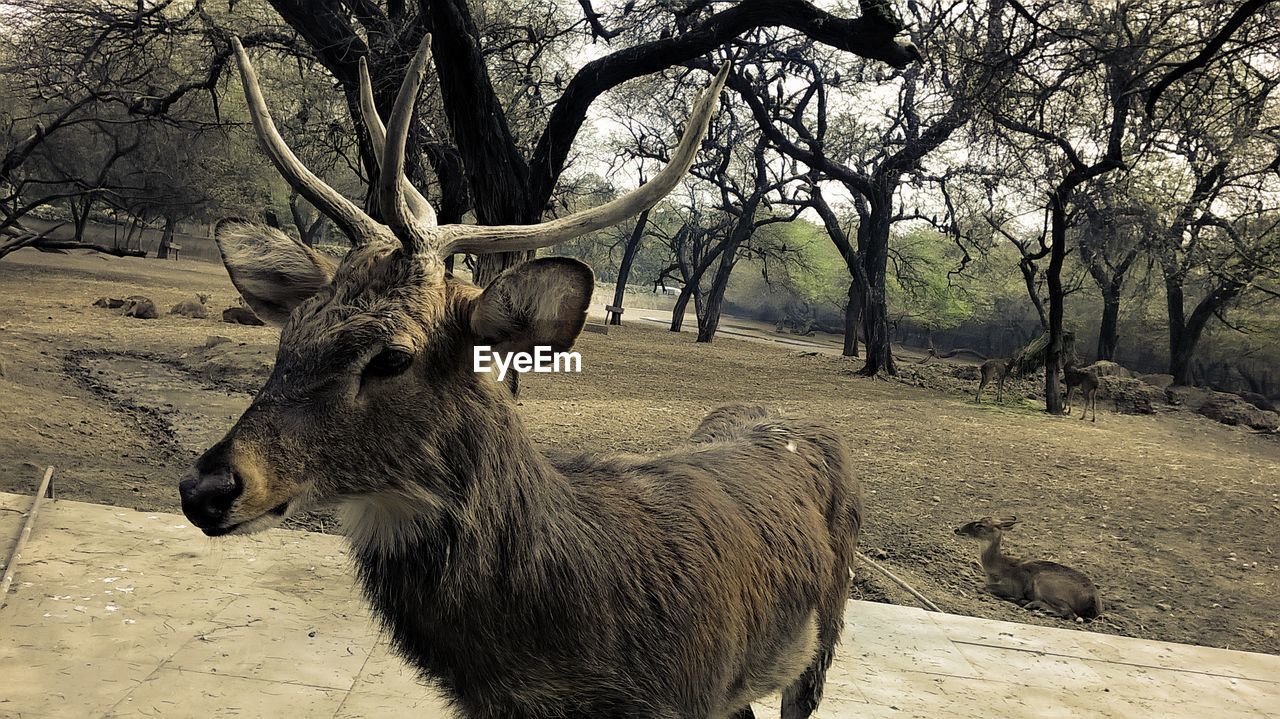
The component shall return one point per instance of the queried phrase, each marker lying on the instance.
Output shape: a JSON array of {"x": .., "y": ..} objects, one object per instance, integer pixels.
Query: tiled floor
[{"x": 118, "y": 613}]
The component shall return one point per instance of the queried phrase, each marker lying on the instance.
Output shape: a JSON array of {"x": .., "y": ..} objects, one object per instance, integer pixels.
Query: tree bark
[
  {"x": 709, "y": 318},
  {"x": 873, "y": 246},
  {"x": 1053, "y": 278},
  {"x": 166, "y": 237},
  {"x": 1029, "y": 270},
  {"x": 1109, "y": 327},
  {"x": 682, "y": 306},
  {"x": 1185, "y": 332},
  {"x": 624, "y": 269},
  {"x": 852, "y": 319},
  {"x": 82, "y": 217},
  {"x": 693, "y": 288}
]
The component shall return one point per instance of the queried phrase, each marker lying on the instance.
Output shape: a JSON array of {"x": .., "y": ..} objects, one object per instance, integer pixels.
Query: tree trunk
[
  {"x": 1185, "y": 332},
  {"x": 624, "y": 269},
  {"x": 1053, "y": 278},
  {"x": 852, "y": 319},
  {"x": 82, "y": 218},
  {"x": 873, "y": 243},
  {"x": 1109, "y": 328},
  {"x": 166, "y": 238},
  {"x": 682, "y": 305},
  {"x": 693, "y": 288},
  {"x": 1029, "y": 270},
  {"x": 709, "y": 316}
]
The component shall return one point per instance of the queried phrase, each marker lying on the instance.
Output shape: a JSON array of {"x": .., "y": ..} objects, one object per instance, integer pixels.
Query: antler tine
[
  {"x": 418, "y": 205},
  {"x": 507, "y": 238},
  {"x": 344, "y": 213},
  {"x": 395, "y": 209}
]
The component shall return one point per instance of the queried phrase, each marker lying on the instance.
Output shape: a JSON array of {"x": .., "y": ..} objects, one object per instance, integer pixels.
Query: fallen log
[{"x": 57, "y": 245}]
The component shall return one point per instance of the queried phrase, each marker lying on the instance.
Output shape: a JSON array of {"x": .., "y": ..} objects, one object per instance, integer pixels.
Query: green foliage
[{"x": 922, "y": 287}]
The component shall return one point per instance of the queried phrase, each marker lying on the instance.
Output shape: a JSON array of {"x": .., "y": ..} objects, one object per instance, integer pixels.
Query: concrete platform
[{"x": 117, "y": 613}]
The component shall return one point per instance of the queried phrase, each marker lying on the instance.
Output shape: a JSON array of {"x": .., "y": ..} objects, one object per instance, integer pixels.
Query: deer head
[
  {"x": 987, "y": 528},
  {"x": 372, "y": 393}
]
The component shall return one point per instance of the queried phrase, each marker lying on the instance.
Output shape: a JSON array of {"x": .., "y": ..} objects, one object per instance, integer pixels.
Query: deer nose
[{"x": 207, "y": 496}]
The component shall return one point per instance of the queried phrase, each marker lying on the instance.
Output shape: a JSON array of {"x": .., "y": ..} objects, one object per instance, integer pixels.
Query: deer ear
[
  {"x": 1008, "y": 522},
  {"x": 273, "y": 272},
  {"x": 542, "y": 302}
]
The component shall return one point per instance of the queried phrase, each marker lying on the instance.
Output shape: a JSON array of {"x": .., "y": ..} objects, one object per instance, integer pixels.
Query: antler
[
  {"x": 418, "y": 205},
  {"x": 391, "y": 183},
  {"x": 344, "y": 213},
  {"x": 506, "y": 238},
  {"x": 408, "y": 214}
]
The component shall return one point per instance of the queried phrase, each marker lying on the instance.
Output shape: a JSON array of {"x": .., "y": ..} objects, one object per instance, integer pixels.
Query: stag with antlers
[{"x": 687, "y": 584}]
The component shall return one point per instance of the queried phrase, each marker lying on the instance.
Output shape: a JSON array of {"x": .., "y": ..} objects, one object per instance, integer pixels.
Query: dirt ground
[{"x": 1175, "y": 517}]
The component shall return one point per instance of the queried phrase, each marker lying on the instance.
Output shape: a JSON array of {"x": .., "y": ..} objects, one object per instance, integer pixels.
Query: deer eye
[{"x": 388, "y": 363}]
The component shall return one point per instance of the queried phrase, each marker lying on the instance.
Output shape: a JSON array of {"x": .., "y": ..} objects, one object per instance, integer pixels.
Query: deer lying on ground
[
  {"x": 682, "y": 585},
  {"x": 196, "y": 309},
  {"x": 993, "y": 370},
  {"x": 1049, "y": 586}
]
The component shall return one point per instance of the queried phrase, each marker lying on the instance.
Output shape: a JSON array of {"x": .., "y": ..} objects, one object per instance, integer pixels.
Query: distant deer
[
  {"x": 994, "y": 370},
  {"x": 1087, "y": 380},
  {"x": 687, "y": 584},
  {"x": 1079, "y": 379},
  {"x": 1050, "y": 586},
  {"x": 196, "y": 308}
]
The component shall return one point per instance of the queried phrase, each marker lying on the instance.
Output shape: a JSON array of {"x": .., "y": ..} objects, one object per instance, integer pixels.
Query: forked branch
[
  {"x": 407, "y": 213},
  {"x": 511, "y": 238}
]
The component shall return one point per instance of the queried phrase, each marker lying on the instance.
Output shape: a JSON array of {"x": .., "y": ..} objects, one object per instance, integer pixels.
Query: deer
[
  {"x": 1087, "y": 380},
  {"x": 685, "y": 584},
  {"x": 997, "y": 370},
  {"x": 1082, "y": 380},
  {"x": 1048, "y": 586}
]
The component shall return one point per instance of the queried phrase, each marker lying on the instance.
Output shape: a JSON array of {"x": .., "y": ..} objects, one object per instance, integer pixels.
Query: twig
[
  {"x": 16, "y": 554},
  {"x": 896, "y": 580}
]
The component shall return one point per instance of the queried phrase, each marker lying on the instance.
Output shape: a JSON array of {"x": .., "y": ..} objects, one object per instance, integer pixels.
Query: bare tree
[
  {"x": 513, "y": 176},
  {"x": 873, "y": 161}
]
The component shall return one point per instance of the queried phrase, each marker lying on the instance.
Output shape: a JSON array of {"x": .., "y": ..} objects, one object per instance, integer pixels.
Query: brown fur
[
  {"x": 993, "y": 370},
  {"x": 195, "y": 309},
  {"x": 241, "y": 316},
  {"x": 1087, "y": 380},
  {"x": 140, "y": 307},
  {"x": 682, "y": 585},
  {"x": 1050, "y": 586}
]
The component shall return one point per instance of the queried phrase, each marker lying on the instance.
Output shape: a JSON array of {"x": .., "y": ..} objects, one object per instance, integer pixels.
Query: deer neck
[
  {"x": 993, "y": 560},
  {"x": 443, "y": 572},
  {"x": 477, "y": 483}
]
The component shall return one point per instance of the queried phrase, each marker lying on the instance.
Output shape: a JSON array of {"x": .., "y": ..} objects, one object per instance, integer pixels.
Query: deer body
[
  {"x": 624, "y": 586},
  {"x": 683, "y": 585},
  {"x": 1087, "y": 380},
  {"x": 1086, "y": 383},
  {"x": 993, "y": 370},
  {"x": 1050, "y": 586}
]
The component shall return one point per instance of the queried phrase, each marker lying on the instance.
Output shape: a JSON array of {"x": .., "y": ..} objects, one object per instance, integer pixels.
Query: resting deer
[
  {"x": 993, "y": 369},
  {"x": 1050, "y": 586},
  {"x": 687, "y": 584}
]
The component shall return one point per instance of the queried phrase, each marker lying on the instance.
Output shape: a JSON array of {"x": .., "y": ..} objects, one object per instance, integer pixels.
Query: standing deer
[
  {"x": 1081, "y": 380},
  {"x": 997, "y": 370},
  {"x": 1087, "y": 380},
  {"x": 686, "y": 584},
  {"x": 1050, "y": 586}
]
